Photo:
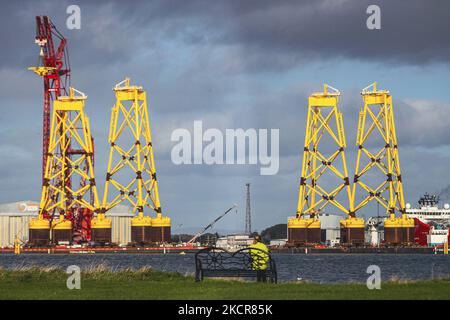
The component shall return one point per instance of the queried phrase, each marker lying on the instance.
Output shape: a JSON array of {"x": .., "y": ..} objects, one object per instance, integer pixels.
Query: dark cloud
[
  {"x": 411, "y": 33},
  {"x": 271, "y": 35}
]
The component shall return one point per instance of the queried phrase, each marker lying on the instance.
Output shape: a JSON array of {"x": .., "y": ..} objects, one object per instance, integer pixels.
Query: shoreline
[
  {"x": 357, "y": 250},
  {"x": 186, "y": 250},
  {"x": 100, "y": 282}
]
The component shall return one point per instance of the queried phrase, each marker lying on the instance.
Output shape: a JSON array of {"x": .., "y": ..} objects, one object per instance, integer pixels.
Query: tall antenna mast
[{"x": 248, "y": 215}]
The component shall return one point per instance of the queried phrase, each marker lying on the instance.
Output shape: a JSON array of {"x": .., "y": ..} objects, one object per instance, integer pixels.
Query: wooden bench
[{"x": 217, "y": 262}]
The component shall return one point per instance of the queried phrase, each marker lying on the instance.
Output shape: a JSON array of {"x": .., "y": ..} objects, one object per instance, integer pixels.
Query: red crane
[{"x": 54, "y": 67}]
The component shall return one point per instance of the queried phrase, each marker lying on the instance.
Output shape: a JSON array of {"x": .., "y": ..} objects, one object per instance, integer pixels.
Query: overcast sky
[{"x": 233, "y": 64}]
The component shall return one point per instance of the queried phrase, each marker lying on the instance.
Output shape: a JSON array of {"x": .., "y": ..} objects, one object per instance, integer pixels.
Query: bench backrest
[{"x": 244, "y": 259}]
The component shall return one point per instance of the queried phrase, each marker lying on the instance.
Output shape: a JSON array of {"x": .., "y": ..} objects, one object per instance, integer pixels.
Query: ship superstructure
[{"x": 429, "y": 211}]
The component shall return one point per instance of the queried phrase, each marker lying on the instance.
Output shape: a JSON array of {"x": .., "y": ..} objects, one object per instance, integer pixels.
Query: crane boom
[
  {"x": 53, "y": 67},
  {"x": 211, "y": 224}
]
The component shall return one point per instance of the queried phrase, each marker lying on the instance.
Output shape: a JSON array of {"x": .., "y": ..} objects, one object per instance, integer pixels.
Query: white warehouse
[{"x": 15, "y": 218}]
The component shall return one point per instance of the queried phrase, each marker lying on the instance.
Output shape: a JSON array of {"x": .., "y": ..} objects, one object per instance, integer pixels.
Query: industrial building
[
  {"x": 15, "y": 218},
  {"x": 277, "y": 242},
  {"x": 234, "y": 242},
  {"x": 330, "y": 228},
  {"x": 14, "y": 221}
]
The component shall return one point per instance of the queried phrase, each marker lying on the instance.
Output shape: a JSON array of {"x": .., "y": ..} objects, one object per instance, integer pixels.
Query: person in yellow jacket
[{"x": 259, "y": 258}]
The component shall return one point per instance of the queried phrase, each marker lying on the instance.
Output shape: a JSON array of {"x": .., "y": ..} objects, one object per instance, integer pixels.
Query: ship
[
  {"x": 431, "y": 222},
  {"x": 429, "y": 211}
]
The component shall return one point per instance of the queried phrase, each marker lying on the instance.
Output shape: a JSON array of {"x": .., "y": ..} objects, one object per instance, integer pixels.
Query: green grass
[{"x": 102, "y": 283}]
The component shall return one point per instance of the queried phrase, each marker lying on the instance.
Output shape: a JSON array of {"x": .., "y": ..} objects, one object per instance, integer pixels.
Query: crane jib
[{"x": 210, "y": 225}]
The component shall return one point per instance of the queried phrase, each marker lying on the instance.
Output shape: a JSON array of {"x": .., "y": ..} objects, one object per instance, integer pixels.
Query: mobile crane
[{"x": 210, "y": 225}]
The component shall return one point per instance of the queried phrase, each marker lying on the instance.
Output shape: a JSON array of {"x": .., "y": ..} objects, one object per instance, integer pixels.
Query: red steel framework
[
  {"x": 57, "y": 79},
  {"x": 54, "y": 67}
]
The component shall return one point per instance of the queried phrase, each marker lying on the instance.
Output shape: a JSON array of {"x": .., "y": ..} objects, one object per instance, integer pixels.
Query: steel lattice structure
[
  {"x": 129, "y": 119},
  {"x": 322, "y": 112},
  {"x": 53, "y": 66},
  {"x": 377, "y": 116},
  {"x": 70, "y": 130},
  {"x": 248, "y": 213}
]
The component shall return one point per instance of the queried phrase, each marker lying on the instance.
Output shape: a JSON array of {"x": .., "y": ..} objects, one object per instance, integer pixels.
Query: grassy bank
[{"x": 102, "y": 283}]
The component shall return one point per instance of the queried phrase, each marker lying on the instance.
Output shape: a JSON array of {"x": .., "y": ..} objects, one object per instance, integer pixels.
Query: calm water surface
[{"x": 319, "y": 268}]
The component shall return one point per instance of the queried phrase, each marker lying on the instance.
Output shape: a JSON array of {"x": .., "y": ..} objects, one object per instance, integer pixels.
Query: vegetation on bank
[
  {"x": 103, "y": 283},
  {"x": 278, "y": 231}
]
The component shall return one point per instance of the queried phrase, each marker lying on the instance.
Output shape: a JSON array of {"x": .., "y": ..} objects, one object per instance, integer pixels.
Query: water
[{"x": 318, "y": 268}]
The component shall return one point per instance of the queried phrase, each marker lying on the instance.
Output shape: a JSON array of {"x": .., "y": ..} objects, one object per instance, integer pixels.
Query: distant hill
[{"x": 278, "y": 231}]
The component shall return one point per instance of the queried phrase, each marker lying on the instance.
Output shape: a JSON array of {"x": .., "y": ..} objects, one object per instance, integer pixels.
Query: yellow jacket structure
[{"x": 259, "y": 258}]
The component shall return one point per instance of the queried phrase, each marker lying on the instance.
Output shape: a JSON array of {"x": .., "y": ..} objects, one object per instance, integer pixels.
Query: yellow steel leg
[
  {"x": 377, "y": 119},
  {"x": 131, "y": 173},
  {"x": 323, "y": 120},
  {"x": 62, "y": 190}
]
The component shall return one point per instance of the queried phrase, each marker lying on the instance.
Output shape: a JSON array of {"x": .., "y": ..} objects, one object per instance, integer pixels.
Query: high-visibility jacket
[{"x": 259, "y": 258}]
